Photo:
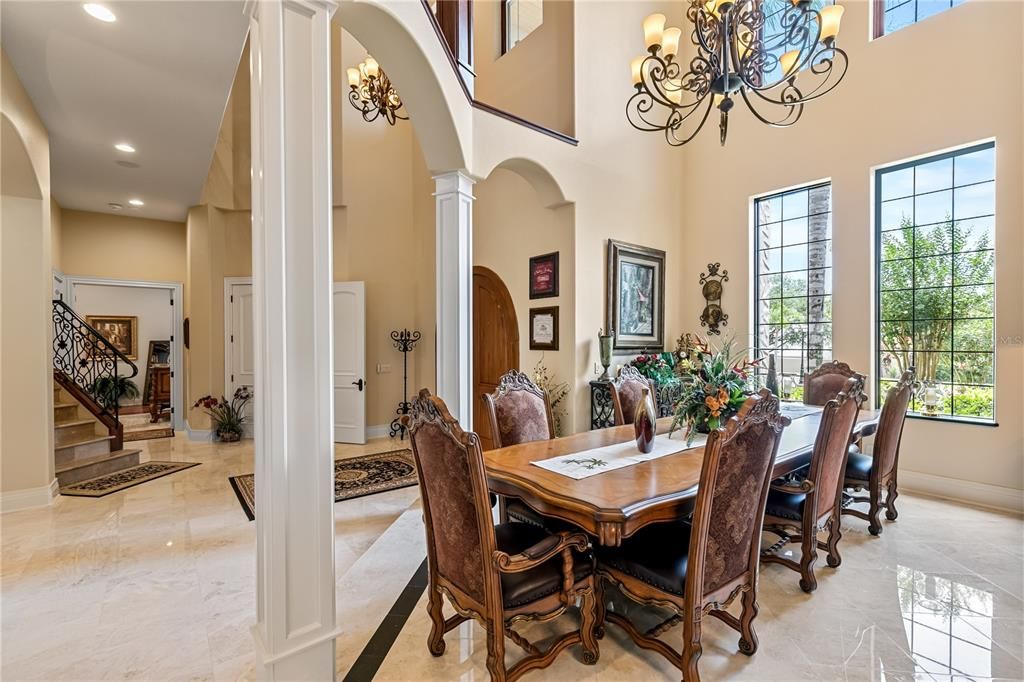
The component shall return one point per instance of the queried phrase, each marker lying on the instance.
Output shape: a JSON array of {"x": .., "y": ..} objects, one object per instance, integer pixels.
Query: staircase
[
  {"x": 83, "y": 447},
  {"x": 87, "y": 433}
]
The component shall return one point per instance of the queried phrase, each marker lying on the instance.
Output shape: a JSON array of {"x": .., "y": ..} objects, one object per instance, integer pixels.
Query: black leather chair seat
[
  {"x": 657, "y": 554},
  {"x": 518, "y": 589},
  {"x": 785, "y": 505},
  {"x": 519, "y": 511},
  {"x": 858, "y": 464}
]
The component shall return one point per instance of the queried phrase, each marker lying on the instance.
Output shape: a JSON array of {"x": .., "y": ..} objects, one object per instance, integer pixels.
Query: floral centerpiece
[
  {"x": 657, "y": 366},
  {"x": 228, "y": 417},
  {"x": 714, "y": 384}
]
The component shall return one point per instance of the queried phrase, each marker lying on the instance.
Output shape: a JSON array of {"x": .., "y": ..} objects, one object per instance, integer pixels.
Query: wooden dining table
[{"x": 613, "y": 505}]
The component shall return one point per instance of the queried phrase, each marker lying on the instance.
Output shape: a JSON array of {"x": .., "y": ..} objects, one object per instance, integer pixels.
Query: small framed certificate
[{"x": 544, "y": 328}]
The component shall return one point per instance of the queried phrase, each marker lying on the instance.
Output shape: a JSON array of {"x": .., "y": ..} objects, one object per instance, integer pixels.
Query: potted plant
[
  {"x": 108, "y": 391},
  {"x": 228, "y": 417},
  {"x": 713, "y": 384}
]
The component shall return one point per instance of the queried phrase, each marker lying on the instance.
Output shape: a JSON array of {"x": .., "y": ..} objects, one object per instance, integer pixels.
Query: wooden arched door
[{"x": 495, "y": 343}]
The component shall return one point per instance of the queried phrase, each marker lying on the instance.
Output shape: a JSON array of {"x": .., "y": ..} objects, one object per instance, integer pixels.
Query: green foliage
[
  {"x": 921, "y": 327},
  {"x": 109, "y": 390},
  {"x": 657, "y": 366},
  {"x": 228, "y": 417}
]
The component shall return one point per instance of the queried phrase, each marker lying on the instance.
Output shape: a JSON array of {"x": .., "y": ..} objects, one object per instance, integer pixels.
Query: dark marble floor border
[{"x": 376, "y": 650}]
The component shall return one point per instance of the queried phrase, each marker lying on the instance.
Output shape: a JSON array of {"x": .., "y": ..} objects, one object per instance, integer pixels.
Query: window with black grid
[
  {"x": 892, "y": 15},
  {"x": 936, "y": 279},
  {"x": 793, "y": 283}
]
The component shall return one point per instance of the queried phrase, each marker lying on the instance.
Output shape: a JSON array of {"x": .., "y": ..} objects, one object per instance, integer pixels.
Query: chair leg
[
  {"x": 691, "y": 650},
  {"x": 874, "y": 509},
  {"x": 588, "y": 626},
  {"x": 502, "y": 512},
  {"x": 748, "y": 638},
  {"x": 808, "y": 557},
  {"x": 834, "y": 535},
  {"x": 890, "y": 499},
  {"x": 435, "y": 607},
  {"x": 496, "y": 652}
]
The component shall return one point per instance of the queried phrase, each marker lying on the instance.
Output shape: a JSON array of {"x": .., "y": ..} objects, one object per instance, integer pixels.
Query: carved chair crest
[
  {"x": 832, "y": 367},
  {"x": 515, "y": 380}
]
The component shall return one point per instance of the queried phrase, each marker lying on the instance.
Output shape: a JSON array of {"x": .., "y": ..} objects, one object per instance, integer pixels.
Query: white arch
[
  {"x": 400, "y": 36},
  {"x": 547, "y": 188}
]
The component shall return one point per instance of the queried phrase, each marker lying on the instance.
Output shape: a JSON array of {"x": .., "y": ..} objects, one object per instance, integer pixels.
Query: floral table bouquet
[{"x": 714, "y": 384}]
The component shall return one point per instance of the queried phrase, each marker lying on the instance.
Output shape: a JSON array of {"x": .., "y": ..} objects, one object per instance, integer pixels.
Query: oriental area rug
[
  {"x": 353, "y": 477},
  {"x": 126, "y": 478}
]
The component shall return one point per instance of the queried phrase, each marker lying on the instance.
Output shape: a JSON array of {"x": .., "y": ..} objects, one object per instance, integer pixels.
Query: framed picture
[
  {"x": 544, "y": 328},
  {"x": 544, "y": 276},
  {"x": 635, "y": 290},
  {"x": 120, "y": 330}
]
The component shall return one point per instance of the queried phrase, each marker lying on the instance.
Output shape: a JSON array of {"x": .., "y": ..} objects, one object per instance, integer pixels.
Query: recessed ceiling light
[
  {"x": 136, "y": 202},
  {"x": 124, "y": 147},
  {"x": 115, "y": 206},
  {"x": 99, "y": 12}
]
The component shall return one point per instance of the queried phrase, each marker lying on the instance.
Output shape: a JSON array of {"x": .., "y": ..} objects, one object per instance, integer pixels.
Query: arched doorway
[{"x": 495, "y": 343}]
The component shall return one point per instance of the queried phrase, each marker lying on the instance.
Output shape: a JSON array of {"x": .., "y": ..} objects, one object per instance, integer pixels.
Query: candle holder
[
  {"x": 404, "y": 342},
  {"x": 931, "y": 397}
]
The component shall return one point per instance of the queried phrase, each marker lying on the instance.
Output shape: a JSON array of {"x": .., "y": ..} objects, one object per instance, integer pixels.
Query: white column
[
  {"x": 454, "y": 247},
  {"x": 291, "y": 247}
]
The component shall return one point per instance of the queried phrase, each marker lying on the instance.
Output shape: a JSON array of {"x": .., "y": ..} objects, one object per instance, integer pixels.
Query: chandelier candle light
[
  {"x": 742, "y": 52},
  {"x": 372, "y": 93}
]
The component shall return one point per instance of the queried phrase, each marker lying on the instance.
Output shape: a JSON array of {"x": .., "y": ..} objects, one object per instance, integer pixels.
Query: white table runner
[{"x": 610, "y": 457}]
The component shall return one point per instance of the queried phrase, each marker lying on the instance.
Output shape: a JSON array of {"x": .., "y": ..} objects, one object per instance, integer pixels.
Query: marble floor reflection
[{"x": 157, "y": 583}]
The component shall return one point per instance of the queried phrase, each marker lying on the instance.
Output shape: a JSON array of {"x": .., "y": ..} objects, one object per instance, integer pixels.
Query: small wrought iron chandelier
[
  {"x": 741, "y": 53},
  {"x": 372, "y": 93}
]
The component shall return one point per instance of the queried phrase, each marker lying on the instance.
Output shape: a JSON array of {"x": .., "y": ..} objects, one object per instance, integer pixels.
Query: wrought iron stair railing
[{"x": 85, "y": 357}]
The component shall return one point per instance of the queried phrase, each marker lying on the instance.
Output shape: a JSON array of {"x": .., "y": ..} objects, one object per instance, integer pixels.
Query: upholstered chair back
[
  {"x": 890, "y": 423},
  {"x": 825, "y": 383},
  {"x": 729, "y": 512},
  {"x": 828, "y": 459},
  {"x": 627, "y": 392},
  {"x": 454, "y": 493},
  {"x": 519, "y": 411}
]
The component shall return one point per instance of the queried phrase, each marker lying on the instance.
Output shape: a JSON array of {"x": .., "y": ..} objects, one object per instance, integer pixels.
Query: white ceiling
[{"x": 158, "y": 78}]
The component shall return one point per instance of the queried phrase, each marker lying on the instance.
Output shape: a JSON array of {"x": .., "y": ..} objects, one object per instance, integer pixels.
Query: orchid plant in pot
[
  {"x": 228, "y": 417},
  {"x": 714, "y": 384}
]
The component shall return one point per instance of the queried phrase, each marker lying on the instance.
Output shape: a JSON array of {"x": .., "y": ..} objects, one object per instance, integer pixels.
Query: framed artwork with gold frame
[{"x": 122, "y": 331}]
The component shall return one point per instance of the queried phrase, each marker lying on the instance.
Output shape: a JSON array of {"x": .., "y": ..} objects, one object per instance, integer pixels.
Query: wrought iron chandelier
[
  {"x": 774, "y": 62},
  {"x": 372, "y": 94}
]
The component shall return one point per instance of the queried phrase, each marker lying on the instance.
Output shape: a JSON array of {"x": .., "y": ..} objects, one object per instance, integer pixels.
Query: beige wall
[
  {"x": 510, "y": 224},
  {"x": 26, "y": 393},
  {"x": 876, "y": 117},
  {"x": 534, "y": 79},
  {"x": 56, "y": 236},
  {"x": 121, "y": 246}
]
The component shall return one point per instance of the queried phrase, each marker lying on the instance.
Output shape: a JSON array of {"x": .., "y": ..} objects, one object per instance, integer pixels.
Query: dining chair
[
  {"x": 824, "y": 383},
  {"x": 878, "y": 469},
  {"x": 699, "y": 569},
  {"x": 519, "y": 412},
  {"x": 813, "y": 504},
  {"x": 498, "y": 575},
  {"x": 627, "y": 392}
]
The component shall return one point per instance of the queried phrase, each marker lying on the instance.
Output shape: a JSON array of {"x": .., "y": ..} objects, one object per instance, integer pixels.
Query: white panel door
[
  {"x": 349, "y": 362},
  {"x": 240, "y": 340}
]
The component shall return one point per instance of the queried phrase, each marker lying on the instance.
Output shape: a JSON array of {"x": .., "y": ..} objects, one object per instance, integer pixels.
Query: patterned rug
[
  {"x": 147, "y": 434},
  {"x": 353, "y": 477},
  {"x": 126, "y": 478}
]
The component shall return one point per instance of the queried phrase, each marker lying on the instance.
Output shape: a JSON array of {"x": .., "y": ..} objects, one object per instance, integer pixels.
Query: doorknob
[{"x": 358, "y": 383}]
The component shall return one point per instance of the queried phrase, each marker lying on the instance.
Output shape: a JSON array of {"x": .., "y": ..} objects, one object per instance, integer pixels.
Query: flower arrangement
[
  {"x": 657, "y": 366},
  {"x": 714, "y": 384},
  {"x": 556, "y": 390},
  {"x": 228, "y": 417}
]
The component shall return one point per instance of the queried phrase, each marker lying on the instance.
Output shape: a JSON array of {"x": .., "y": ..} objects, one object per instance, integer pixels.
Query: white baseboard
[
  {"x": 198, "y": 434},
  {"x": 378, "y": 431},
  {"x": 978, "y": 494},
  {"x": 28, "y": 498}
]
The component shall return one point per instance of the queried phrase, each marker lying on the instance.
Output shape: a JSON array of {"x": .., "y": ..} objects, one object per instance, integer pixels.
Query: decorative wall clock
[{"x": 712, "y": 316}]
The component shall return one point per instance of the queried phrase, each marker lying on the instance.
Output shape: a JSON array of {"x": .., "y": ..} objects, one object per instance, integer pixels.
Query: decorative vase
[
  {"x": 229, "y": 436},
  {"x": 605, "y": 344},
  {"x": 644, "y": 421},
  {"x": 772, "y": 382}
]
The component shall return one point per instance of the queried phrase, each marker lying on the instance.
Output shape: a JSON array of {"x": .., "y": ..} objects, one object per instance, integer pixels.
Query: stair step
[
  {"x": 63, "y": 412},
  {"x": 60, "y": 404},
  {"x": 70, "y": 423},
  {"x": 97, "y": 465},
  {"x": 83, "y": 441},
  {"x": 81, "y": 448},
  {"x": 75, "y": 431}
]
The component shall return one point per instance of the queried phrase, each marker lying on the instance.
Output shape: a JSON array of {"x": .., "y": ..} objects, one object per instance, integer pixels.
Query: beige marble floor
[{"x": 157, "y": 582}]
